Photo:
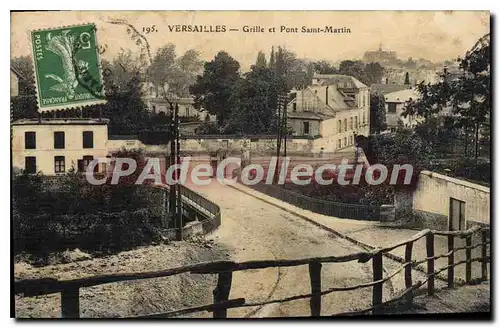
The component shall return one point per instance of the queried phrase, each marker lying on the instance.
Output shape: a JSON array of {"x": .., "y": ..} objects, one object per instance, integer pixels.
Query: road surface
[{"x": 255, "y": 230}]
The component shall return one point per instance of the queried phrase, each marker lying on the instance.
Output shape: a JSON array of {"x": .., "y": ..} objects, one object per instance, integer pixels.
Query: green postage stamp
[{"x": 67, "y": 67}]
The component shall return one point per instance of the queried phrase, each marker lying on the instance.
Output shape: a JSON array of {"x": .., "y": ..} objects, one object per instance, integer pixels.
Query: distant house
[
  {"x": 16, "y": 79},
  {"x": 395, "y": 103},
  {"x": 387, "y": 88},
  {"x": 156, "y": 102},
  {"x": 53, "y": 146},
  {"x": 335, "y": 107}
]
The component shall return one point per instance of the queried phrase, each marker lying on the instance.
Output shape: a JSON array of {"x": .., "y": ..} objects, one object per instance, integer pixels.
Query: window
[
  {"x": 345, "y": 124},
  {"x": 356, "y": 123},
  {"x": 59, "y": 164},
  {"x": 339, "y": 143},
  {"x": 88, "y": 139},
  {"x": 29, "y": 140},
  {"x": 30, "y": 164},
  {"x": 364, "y": 100},
  {"x": 350, "y": 123},
  {"x": 84, "y": 163},
  {"x": 154, "y": 109},
  {"x": 391, "y": 107},
  {"x": 294, "y": 107},
  {"x": 59, "y": 140},
  {"x": 352, "y": 140},
  {"x": 345, "y": 141},
  {"x": 306, "y": 127},
  {"x": 364, "y": 119},
  {"x": 339, "y": 126}
]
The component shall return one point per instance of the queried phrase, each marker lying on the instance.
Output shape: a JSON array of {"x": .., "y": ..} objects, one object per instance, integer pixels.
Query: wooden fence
[{"x": 69, "y": 289}]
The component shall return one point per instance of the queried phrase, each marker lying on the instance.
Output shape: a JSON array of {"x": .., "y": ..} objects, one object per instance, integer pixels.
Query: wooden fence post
[
  {"x": 429, "y": 240},
  {"x": 451, "y": 269},
  {"x": 468, "y": 257},
  {"x": 377, "y": 288},
  {"x": 221, "y": 292},
  {"x": 408, "y": 269},
  {"x": 315, "y": 276},
  {"x": 484, "y": 255},
  {"x": 70, "y": 303}
]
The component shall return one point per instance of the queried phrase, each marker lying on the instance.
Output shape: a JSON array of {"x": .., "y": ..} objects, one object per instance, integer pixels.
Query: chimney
[{"x": 327, "y": 94}]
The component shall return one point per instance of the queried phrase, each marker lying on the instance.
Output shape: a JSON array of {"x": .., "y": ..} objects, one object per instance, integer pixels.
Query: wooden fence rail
[{"x": 69, "y": 289}]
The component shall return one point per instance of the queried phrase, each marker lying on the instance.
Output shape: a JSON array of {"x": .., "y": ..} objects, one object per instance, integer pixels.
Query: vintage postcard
[{"x": 250, "y": 164}]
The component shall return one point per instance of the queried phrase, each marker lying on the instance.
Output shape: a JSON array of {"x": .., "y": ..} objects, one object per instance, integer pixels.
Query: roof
[
  {"x": 15, "y": 71},
  {"x": 401, "y": 96},
  {"x": 62, "y": 121},
  {"x": 387, "y": 88},
  {"x": 343, "y": 81}
]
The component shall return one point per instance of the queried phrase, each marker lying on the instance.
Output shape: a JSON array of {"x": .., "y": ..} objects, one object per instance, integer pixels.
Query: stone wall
[{"x": 234, "y": 146}]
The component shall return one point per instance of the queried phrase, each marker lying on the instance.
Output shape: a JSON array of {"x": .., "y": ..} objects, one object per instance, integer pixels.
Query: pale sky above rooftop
[{"x": 432, "y": 35}]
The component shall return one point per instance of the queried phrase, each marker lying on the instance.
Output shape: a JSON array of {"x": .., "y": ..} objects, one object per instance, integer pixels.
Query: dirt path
[
  {"x": 128, "y": 298},
  {"x": 252, "y": 229}
]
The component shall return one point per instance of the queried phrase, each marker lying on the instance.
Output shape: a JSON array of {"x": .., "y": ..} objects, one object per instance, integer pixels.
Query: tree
[
  {"x": 407, "y": 78},
  {"x": 24, "y": 105},
  {"x": 368, "y": 74},
  {"x": 373, "y": 73},
  {"x": 272, "y": 60},
  {"x": 352, "y": 68},
  {"x": 324, "y": 67},
  {"x": 187, "y": 68},
  {"x": 162, "y": 71},
  {"x": 256, "y": 102},
  {"x": 172, "y": 75},
  {"x": 401, "y": 147},
  {"x": 213, "y": 90},
  {"x": 377, "y": 113},
  {"x": 125, "y": 108},
  {"x": 468, "y": 95},
  {"x": 292, "y": 71},
  {"x": 261, "y": 60}
]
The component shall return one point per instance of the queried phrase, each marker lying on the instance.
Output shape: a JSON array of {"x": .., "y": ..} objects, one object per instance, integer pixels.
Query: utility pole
[
  {"x": 177, "y": 175},
  {"x": 285, "y": 123},
  {"x": 278, "y": 139},
  {"x": 172, "y": 187}
]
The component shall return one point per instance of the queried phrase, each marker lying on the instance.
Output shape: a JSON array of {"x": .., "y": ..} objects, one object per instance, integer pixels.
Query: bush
[
  {"x": 59, "y": 213},
  {"x": 41, "y": 234}
]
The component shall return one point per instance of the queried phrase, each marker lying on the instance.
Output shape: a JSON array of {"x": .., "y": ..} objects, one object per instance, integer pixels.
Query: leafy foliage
[
  {"x": 213, "y": 90},
  {"x": 368, "y": 74},
  {"x": 402, "y": 147},
  {"x": 125, "y": 108},
  {"x": 255, "y": 98},
  {"x": 261, "y": 60},
  {"x": 468, "y": 95},
  {"x": 173, "y": 75},
  {"x": 56, "y": 213},
  {"x": 324, "y": 67},
  {"x": 467, "y": 98},
  {"x": 377, "y": 113},
  {"x": 24, "y": 104}
]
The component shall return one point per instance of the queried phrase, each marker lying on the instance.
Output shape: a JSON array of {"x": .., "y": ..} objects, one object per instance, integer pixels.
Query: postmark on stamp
[{"x": 67, "y": 67}]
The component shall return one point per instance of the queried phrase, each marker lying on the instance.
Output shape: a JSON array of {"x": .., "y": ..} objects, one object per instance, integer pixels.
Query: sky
[{"x": 433, "y": 35}]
